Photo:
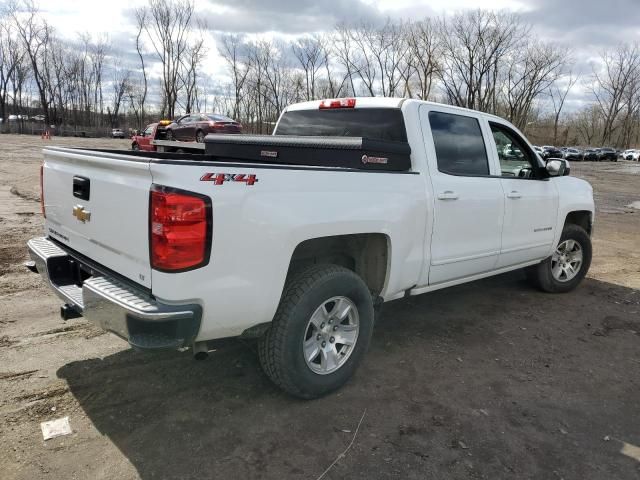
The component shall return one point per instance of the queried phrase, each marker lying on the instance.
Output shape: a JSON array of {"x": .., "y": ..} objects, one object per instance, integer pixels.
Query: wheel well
[
  {"x": 367, "y": 254},
  {"x": 581, "y": 218}
]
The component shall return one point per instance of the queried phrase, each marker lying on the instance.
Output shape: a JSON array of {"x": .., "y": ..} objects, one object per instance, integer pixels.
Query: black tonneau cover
[{"x": 343, "y": 152}]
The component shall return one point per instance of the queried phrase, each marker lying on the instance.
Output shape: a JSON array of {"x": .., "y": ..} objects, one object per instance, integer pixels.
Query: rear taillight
[
  {"x": 337, "y": 103},
  {"x": 44, "y": 214},
  {"x": 179, "y": 229}
]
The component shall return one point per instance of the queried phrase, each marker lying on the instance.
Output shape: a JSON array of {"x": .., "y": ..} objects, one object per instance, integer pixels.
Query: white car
[
  {"x": 631, "y": 154},
  {"x": 295, "y": 240}
]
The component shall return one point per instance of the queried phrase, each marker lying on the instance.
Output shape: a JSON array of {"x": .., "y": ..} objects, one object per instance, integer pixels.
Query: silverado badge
[{"x": 81, "y": 214}]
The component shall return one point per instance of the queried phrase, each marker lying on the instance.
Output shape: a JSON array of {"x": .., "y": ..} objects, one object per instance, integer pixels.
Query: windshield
[{"x": 373, "y": 123}]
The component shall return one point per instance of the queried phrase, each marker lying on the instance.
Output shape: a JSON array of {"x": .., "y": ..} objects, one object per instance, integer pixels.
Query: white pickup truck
[{"x": 295, "y": 238}]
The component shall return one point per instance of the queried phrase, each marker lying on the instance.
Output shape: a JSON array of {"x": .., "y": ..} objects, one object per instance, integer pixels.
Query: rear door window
[
  {"x": 460, "y": 148},
  {"x": 375, "y": 123}
]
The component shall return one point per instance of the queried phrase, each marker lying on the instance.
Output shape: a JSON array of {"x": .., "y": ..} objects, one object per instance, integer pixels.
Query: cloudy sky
[{"x": 586, "y": 26}]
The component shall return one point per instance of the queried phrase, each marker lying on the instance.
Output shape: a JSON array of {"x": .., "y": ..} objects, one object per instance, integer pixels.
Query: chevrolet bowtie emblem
[{"x": 81, "y": 214}]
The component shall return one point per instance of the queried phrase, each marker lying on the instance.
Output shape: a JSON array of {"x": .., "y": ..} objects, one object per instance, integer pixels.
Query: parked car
[
  {"x": 117, "y": 133},
  {"x": 607, "y": 154},
  {"x": 143, "y": 140},
  {"x": 590, "y": 155},
  {"x": 196, "y": 126},
  {"x": 170, "y": 252},
  {"x": 538, "y": 150},
  {"x": 573, "y": 154},
  {"x": 631, "y": 154},
  {"x": 549, "y": 151}
]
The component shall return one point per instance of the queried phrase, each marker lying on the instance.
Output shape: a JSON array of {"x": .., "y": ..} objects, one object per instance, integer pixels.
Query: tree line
[{"x": 479, "y": 59}]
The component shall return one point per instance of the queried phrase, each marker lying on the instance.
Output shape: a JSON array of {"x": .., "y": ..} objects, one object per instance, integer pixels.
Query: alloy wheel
[
  {"x": 566, "y": 261},
  {"x": 331, "y": 335}
]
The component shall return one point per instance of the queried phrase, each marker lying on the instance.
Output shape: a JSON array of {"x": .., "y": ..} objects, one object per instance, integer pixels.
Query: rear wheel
[
  {"x": 320, "y": 332},
  {"x": 200, "y": 136},
  {"x": 135, "y": 146},
  {"x": 170, "y": 135},
  {"x": 567, "y": 266}
]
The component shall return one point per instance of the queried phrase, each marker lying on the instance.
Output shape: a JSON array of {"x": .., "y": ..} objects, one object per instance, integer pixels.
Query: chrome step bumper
[{"x": 114, "y": 305}]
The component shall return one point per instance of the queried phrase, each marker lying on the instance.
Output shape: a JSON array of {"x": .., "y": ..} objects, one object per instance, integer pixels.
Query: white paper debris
[{"x": 55, "y": 428}]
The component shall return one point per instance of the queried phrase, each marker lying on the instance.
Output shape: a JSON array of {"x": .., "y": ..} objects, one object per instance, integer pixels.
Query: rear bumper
[{"x": 114, "y": 304}]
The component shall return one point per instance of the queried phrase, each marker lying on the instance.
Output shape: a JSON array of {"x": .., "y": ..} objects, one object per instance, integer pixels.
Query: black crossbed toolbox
[{"x": 341, "y": 152}]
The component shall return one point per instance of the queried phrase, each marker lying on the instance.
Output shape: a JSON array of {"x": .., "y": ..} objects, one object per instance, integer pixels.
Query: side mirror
[{"x": 557, "y": 167}]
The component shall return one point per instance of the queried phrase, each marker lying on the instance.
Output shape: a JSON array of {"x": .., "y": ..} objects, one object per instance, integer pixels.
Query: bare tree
[
  {"x": 231, "y": 50},
  {"x": 558, "y": 97},
  {"x": 383, "y": 52},
  {"x": 310, "y": 53},
  {"x": 191, "y": 62},
  {"x": 475, "y": 44},
  {"x": 345, "y": 55},
  {"x": 630, "y": 120},
  {"x": 11, "y": 55},
  {"x": 140, "y": 94},
  {"x": 34, "y": 34},
  {"x": 423, "y": 58},
  {"x": 588, "y": 122},
  {"x": 530, "y": 71},
  {"x": 618, "y": 68},
  {"x": 120, "y": 86},
  {"x": 168, "y": 24}
]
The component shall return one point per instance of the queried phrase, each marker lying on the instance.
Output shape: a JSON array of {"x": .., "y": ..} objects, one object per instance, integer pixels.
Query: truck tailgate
[{"x": 97, "y": 204}]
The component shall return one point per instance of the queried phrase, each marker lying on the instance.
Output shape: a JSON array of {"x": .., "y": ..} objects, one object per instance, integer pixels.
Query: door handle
[
  {"x": 448, "y": 195},
  {"x": 514, "y": 194}
]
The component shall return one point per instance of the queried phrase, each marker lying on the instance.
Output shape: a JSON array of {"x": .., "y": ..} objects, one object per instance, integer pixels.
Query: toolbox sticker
[{"x": 220, "y": 178}]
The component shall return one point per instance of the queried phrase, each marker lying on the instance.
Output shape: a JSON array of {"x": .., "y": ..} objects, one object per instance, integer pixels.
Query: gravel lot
[{"x": 487, "y": 380}]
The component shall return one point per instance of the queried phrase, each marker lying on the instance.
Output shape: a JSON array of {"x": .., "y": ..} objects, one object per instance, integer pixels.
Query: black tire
[
  {"x": 200, "y": 136},
  {"x": 170, "y": 136},
  {"x": 281, "y": 349},
  {"x": 540, "y": 275},
  {"x": 135, "y": 147}
]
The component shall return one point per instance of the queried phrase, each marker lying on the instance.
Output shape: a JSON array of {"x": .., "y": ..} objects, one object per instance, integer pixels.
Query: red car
[
  {"x": 196, "y": 126},
  {"x": 143, "y": 141}
]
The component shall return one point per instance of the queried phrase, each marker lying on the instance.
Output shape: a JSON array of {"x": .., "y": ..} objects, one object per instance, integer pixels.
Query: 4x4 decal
[{"x": 220, "y": 178}]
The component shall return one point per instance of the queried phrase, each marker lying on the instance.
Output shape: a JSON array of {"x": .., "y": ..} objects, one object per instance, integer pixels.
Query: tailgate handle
[{"x": 81, "y": 187}]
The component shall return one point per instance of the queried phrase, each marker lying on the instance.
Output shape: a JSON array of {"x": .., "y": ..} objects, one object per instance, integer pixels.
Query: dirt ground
[{"x": 486, "y": 380}]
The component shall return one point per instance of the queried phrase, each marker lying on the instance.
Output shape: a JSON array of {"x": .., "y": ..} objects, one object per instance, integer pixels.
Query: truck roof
[{"x": 384, "y": 102}]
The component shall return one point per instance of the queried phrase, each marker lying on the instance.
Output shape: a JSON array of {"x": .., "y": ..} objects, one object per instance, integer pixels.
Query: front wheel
[
  {"x": 135, "y": 147},
  {"x": 200, "y": 136},
  {"x": 320, "y": 332},
  {"x": 567, "y": 266},
  {"x": 170, "y": 136}
]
